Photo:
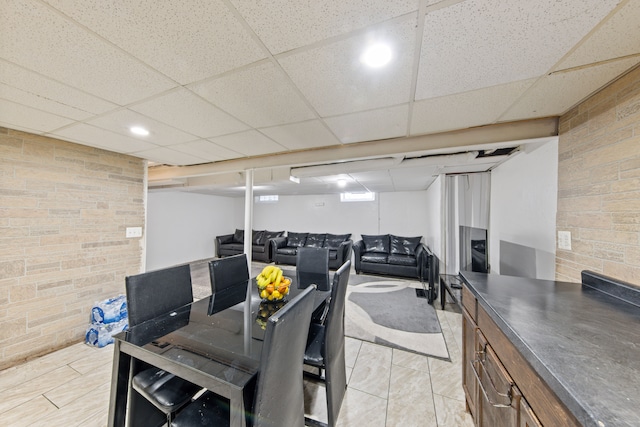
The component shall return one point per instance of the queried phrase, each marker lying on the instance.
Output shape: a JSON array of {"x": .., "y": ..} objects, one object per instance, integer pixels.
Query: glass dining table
[{"x": 214, "y": 342}]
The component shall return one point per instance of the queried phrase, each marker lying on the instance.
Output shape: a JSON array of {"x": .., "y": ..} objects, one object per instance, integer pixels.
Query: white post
[{"x": 248, "y": 214}]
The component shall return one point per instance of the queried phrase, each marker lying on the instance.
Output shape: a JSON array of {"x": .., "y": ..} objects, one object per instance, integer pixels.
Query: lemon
[
  {"x": 263, "y": 294},
  {"x": 276, "y": 295}
]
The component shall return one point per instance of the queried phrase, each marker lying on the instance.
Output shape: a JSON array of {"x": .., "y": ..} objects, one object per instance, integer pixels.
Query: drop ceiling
[{"x": 275, "y": 85}]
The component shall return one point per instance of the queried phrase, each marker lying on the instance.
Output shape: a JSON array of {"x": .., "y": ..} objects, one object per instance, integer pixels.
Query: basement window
[
  {"x": 271, "y": 198},
  {"x": 357, "y": 197}
]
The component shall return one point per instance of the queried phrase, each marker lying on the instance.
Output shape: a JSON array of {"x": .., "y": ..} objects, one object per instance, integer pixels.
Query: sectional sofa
[
  {"x": 233, "y": 244},
  {"x": 284, "y": 249}
]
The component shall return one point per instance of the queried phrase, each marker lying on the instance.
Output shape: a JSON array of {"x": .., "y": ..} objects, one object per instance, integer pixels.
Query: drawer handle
[{"x": 484, "y": 391}]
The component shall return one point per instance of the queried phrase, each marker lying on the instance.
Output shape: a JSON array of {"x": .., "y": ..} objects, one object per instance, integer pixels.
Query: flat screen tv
[{"x": 474, "y": 255}]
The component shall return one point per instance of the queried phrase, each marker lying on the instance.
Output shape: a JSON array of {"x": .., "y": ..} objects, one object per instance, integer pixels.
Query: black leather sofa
[
  {"x": 285, "y": 248},
  {"x": 392, "y": 255},
  {"x": 233, "y": 244}
]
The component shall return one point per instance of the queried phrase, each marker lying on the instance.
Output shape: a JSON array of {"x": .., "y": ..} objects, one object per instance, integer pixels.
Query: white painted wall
[
  {"x": 181, "y": 227},
  {"x": 433, "y": 219},
  {"x": 523, "y": 205}
]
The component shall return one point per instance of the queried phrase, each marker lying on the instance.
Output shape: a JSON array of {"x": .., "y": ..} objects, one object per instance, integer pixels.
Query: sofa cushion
[
  {"x": 315, "y": 240},
  {"x": 333, "y": 241},
  {"x": 233, "y": 246},
  {"x": 404, "y": 245},
  {"x": 270, "y": 235},
  {"x": 238, "y": 236},
  {"x": 257, "y": 236},
  {"x": 296, "y": 239},
  {"x": 379, "y": 243},
  {"x": 396, "y": 259},
  {"x": 259, "y": 248},
  {"x": 375, "y": 257},
  {"x": 288, "y": 250},
  {"x": 333, "y": 254}
]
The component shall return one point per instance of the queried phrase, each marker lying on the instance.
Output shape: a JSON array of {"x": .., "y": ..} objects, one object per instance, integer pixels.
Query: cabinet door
[
  {"x": 469, "y": 384},
  {"x": 498, "y": 402},
  {"x": 527, "y": 417}
]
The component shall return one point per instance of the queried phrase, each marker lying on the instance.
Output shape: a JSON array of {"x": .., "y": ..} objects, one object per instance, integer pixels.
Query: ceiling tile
[
  {"x": 334, "y": 80},
  {"x": 186, "y": 41},
  {"x": 90, "y": 63},
  {"x": 618, "y": 36},
  {"x": 299, "y": 136},
  {"x": 120, "y": 121},
  {"x": 465, "y": 110},
  {"x": 481, "y": 43},
  {"x": 96, "y": 137},
  {"x": 169, "y": 157},
  {"x": 390, "y": 122},
  {"x": 28, "y": 88},
  {"x": 249, "y": 143},
  {"x": 284, "y": 25},
  {"x": 207, "y": 150},
  {"x": 186, "y": 111},
  {"x": 557, "y": 93},
  {"x": 24, "y": 117},
  {"x": 273, "y": 99}
]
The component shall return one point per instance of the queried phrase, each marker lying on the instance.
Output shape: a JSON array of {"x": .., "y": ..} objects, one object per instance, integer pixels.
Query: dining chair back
[
  {"x": 228, "y": 272},
  {"x": 156, "y": 292},
  {"x": 149, "y": 295},
  {"x": 326, "y": 345},
  {"x": 312, "y": 265},
  {"x": 279, "y": 393}
]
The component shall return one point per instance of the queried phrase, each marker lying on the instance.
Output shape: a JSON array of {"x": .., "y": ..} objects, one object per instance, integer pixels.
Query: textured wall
[
  {"x": 599, "y": 183},
  {"x": 63, "y": 213}
]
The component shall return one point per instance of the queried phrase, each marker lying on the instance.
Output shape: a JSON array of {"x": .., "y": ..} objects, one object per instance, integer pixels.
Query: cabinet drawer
[
  {"x": 527, "y": 417},
  {"x": 469, "y": 302}
]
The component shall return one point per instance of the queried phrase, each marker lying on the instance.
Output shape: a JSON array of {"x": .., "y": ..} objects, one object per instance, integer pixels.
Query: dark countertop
[{"x": 582, "y": 341}]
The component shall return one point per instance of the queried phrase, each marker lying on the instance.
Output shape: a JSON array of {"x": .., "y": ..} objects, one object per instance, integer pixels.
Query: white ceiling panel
[
  {"x": 390, "y": 122},
  {"x": 272, "y": 97},
  {"x": 249, "y": 143},
  {"x": 186, "y": 42},
  {"x": 60, "y": 49},
  {"x": 465, "y": 110},
  {"x": 169, "y": 156},
  {"x": 335, "y": 81},
  {"x": 618, "y": 37},
  {"x": 29, "y": 88},
  {"x": 303, "y": 135},
  {"x": 557, "y": 93},
  {"x": 207, "y": 150},
  {"x": 483, "y": 43},
  {"x": 284, "y": 25},
  {"x": 25, "y": 117},
  {"x": 159, "y": 133},
  {"x": 186, "y": 111},
  {"x": 96, "y": 137}
]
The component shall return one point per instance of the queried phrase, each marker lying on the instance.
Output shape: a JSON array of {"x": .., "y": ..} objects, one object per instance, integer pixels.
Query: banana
[
  {"x": 267, "y": 270},
  {"x": 278, "y": 278},
  {"x": 274, "y": 273}
]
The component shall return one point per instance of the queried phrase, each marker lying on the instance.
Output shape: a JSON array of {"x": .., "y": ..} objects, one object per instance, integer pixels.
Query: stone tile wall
[
  {"x": 599, "y": 183},
  {"x": 63, "y": 212}
]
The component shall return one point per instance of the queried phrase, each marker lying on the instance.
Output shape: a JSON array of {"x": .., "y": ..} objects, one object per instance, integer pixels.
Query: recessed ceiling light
[
  {"x": 139, "y": 130},
  {"x": 342, "y": 183},
  {"x": 376, "y": 56}
]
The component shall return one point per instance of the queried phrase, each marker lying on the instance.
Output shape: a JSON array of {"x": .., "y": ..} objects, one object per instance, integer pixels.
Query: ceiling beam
[{"x": 438, "y": 143}]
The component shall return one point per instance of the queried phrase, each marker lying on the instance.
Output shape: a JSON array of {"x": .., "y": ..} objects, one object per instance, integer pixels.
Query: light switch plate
[
  {"x": 134, "y": 232},
  {"x": 564, "y": 240}
]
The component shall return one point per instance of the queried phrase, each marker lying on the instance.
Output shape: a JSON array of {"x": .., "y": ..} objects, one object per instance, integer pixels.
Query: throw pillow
[
  {"x": 296, "y": 239},
  {"x": 333, "y": 241},
  {"x": 257, "y": 236},
  {"x": 315, "y": 240},
  {"x": 404, "y": 245},
  {"x": 378, "y": 243},
  {"x": 238, "y": 236},
  {"x": 268, "y": 235}
]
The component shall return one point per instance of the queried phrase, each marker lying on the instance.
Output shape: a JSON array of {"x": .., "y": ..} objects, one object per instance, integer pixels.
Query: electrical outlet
[
  {"x": 564, "y": 240},
  {"x": 134, "y": 232}
]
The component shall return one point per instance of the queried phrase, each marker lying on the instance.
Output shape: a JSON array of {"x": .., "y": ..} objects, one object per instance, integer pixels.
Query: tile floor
[{"x": 386, "y": 387}]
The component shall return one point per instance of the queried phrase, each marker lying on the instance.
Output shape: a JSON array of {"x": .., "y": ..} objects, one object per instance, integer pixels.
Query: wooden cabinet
[{"x": 501, "y": 388}]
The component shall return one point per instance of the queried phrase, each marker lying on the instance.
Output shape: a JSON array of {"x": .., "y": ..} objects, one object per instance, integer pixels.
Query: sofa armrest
[
  {"x": 358, "y": 250},
  {"x": 278, "y": 242},
  {"x": 220, "y": 240}
]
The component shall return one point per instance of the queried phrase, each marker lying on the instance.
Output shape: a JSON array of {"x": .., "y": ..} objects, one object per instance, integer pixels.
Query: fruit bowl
[
  {"x": 273, "y": 286},
  {"x": 266, "y": 309}
]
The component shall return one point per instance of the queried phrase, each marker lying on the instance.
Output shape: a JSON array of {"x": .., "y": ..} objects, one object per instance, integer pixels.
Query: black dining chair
[
  {"x": 148, "y": 296},
  {"x": 326, "y": 347},
  {"x": 313, "y": 264},
  {"x": 228, "y": 272},
  {"x": 279, "y": 396}
]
